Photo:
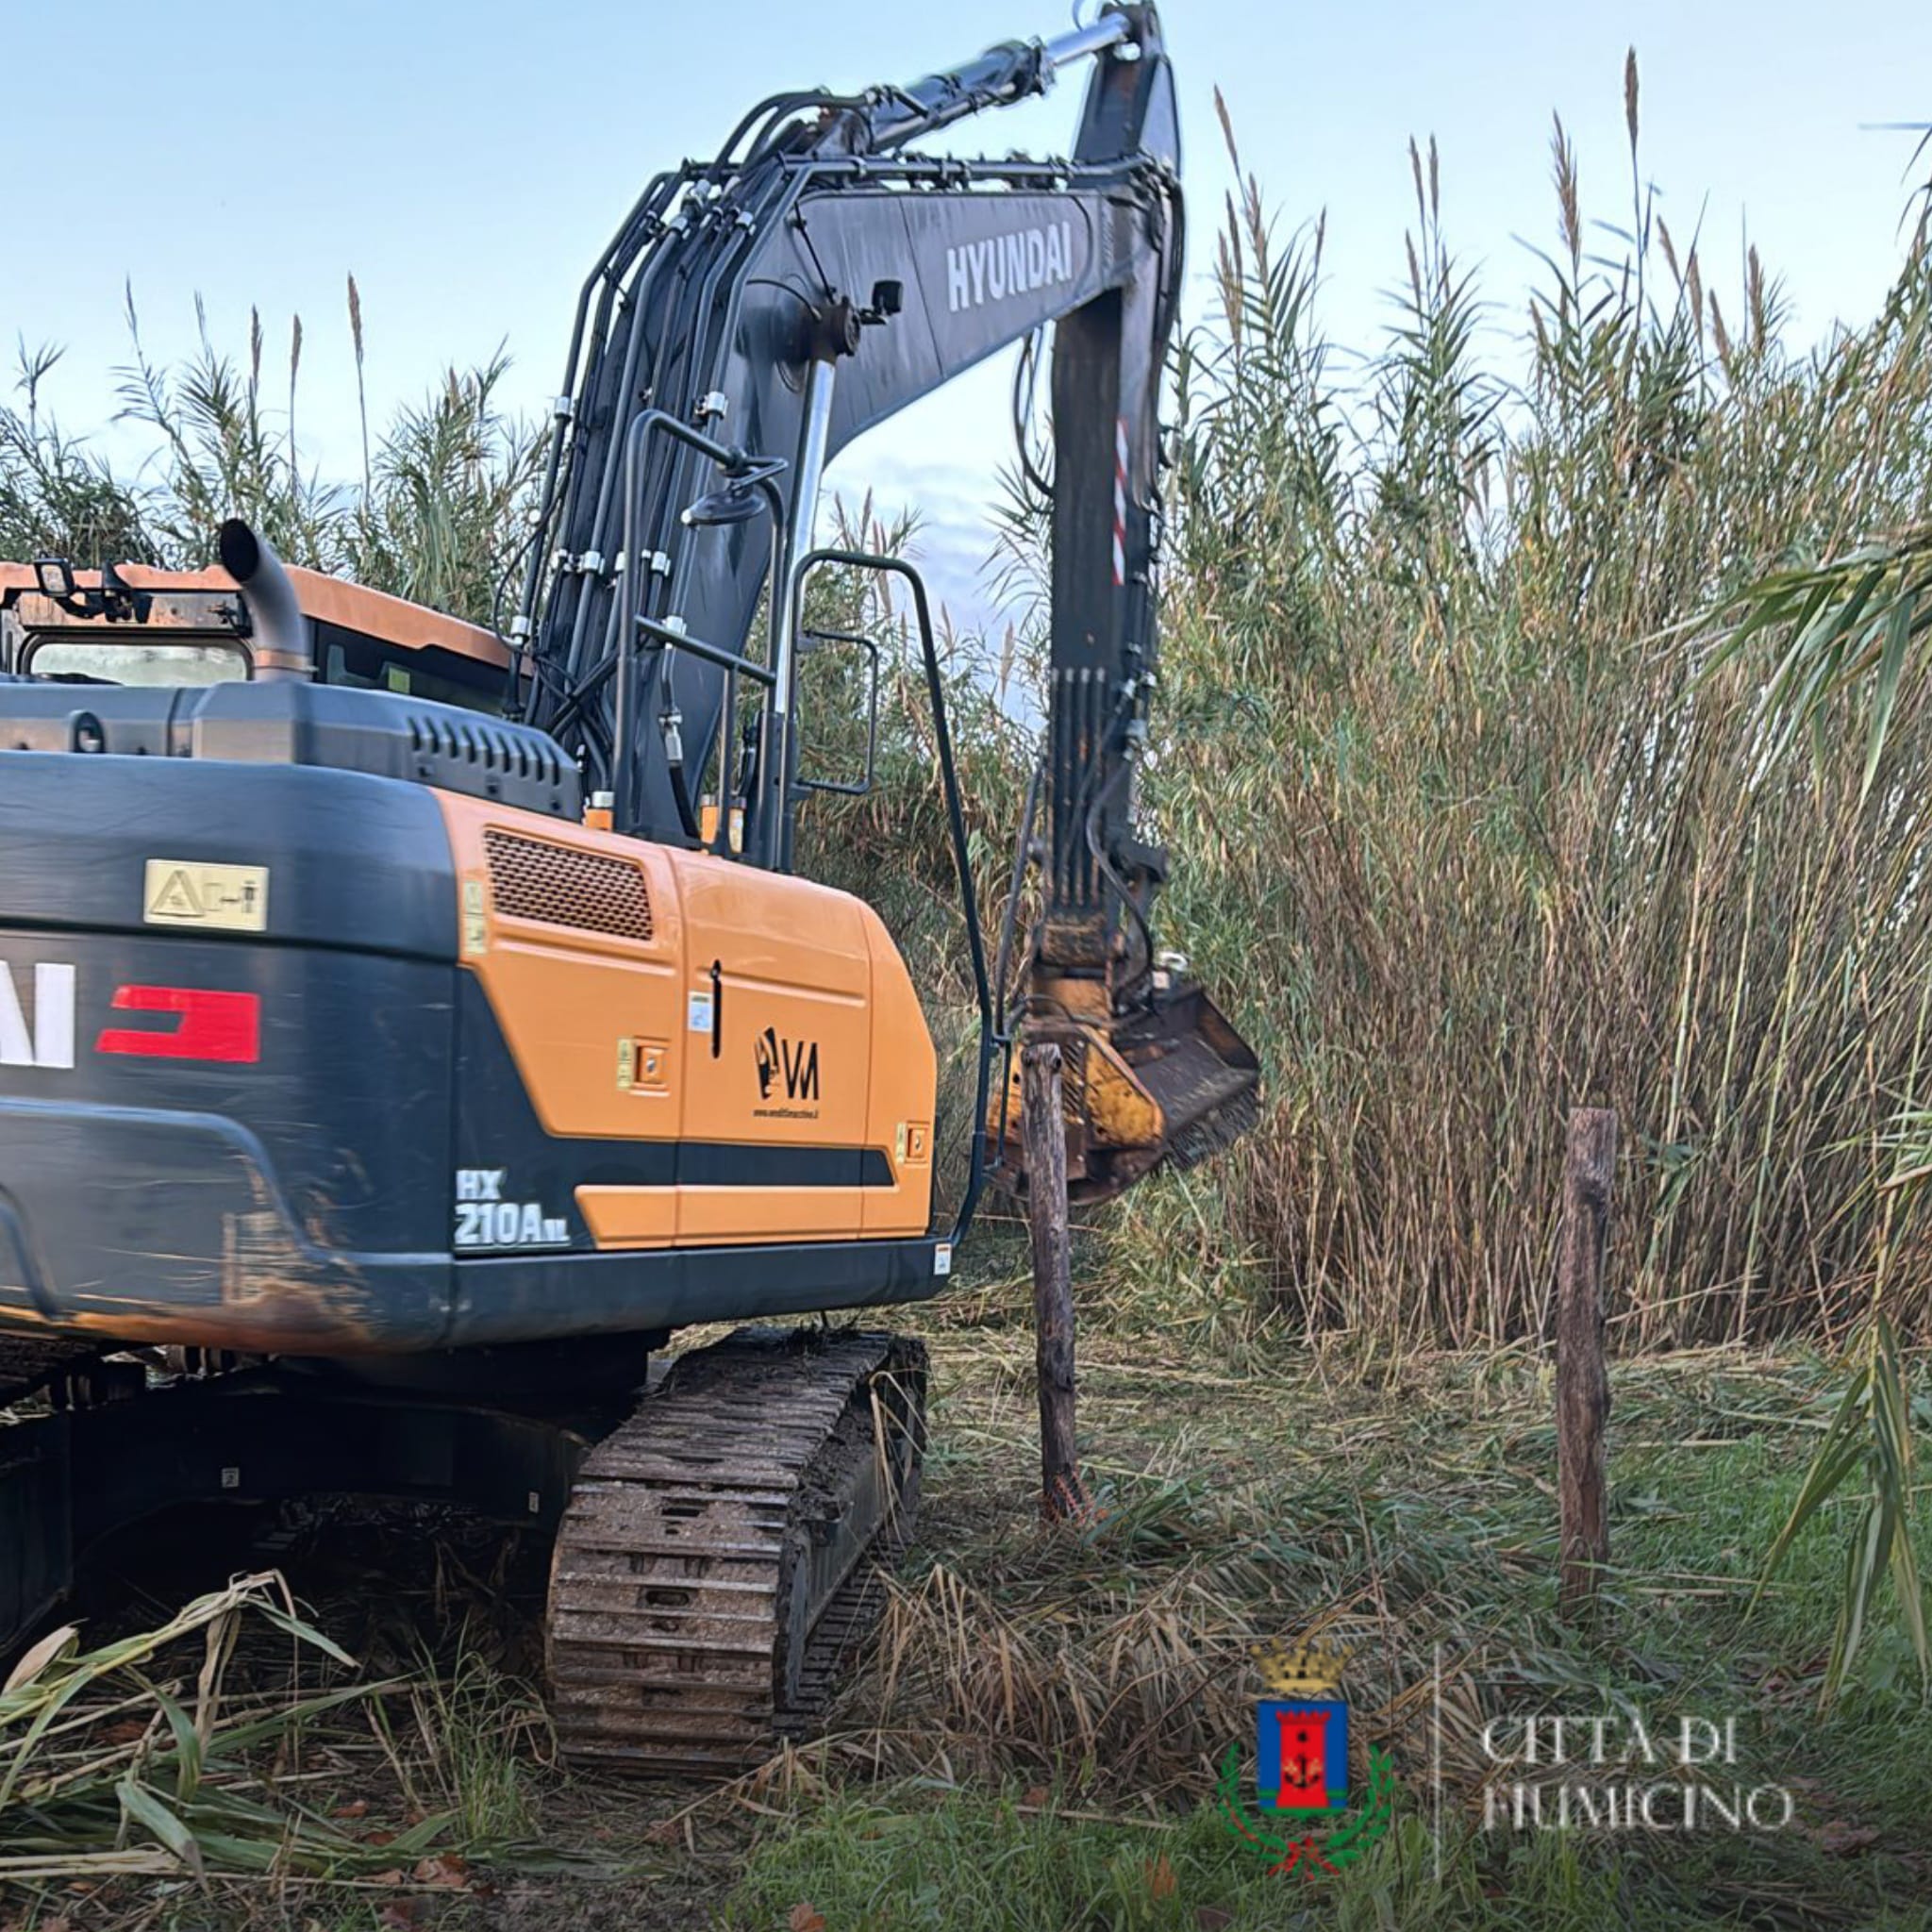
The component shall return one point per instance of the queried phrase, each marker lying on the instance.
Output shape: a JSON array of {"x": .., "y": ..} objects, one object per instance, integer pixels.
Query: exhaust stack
[{"x": 280, "y": 643}]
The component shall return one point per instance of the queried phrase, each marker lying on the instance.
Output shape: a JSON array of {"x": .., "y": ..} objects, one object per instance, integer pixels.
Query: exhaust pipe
[{"x": 280, "y": 644}]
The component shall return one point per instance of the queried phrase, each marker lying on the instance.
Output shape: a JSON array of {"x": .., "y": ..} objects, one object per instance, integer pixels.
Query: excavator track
[{"x": 724, "y": 1550}]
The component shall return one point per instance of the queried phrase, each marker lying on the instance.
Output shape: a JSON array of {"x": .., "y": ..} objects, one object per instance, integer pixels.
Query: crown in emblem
[{"x": 1310, "y": 1669}]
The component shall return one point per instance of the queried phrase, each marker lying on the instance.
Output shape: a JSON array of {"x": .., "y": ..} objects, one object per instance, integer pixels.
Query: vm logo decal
[
  {"x": 795, "y": 1060},
  {"x": 48, "y": 1041}
]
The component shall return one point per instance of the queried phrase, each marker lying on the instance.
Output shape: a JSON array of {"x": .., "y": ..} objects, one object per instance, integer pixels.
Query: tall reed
[
  {"x": 1474, "y": 832},
  {"x": 1470, "y": 822}
]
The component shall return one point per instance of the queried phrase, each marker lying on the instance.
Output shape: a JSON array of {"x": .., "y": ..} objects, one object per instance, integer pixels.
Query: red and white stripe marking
[{"x": 1119, "y": 500}]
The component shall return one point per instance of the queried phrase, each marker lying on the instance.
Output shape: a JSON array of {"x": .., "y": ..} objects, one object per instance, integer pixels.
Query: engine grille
[{"x": 530, "y": 878}]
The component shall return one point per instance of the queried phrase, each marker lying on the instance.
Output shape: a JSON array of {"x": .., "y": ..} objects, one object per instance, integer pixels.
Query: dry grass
[
  {"x": 1052, "y": 1704},
  {"x": 235, "y": 1745},
  {"x": 116, "y": 1761},
  {"x": 1477, "y": 833},
  {"x": 1410, "y": 1510},
  {"x": 1036, "y": 1692}
]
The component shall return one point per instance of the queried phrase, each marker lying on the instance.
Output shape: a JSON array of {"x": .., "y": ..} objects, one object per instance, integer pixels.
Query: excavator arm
[{"x": 752, "y": 316}]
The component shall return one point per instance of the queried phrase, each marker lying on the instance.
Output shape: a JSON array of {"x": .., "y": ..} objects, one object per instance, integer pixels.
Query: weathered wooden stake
[
  {"x": 1583, "y": 1385},
  {"x": 1045, "y": 1140}
]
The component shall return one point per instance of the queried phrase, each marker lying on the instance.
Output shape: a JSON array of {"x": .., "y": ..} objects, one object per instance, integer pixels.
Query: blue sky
[{"x": 467, "y": 162}]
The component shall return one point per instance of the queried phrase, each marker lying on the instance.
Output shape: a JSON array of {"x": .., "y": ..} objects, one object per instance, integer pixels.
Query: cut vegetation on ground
[{"x": 1032, "y": 1740}]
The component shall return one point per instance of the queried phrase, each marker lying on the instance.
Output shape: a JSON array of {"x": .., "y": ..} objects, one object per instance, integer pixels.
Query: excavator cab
[{"x": 134, "y": 626}]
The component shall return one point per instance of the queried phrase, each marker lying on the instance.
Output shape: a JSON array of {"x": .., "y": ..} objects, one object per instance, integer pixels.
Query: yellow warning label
[
  {"x": 476, "y": 928},
  {"x": 223, "y": 898}
]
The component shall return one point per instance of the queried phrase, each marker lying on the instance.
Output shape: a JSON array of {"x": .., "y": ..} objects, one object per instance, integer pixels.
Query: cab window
[
  {"x": 102, "y": 660},
  {"x": 427, "y": 671}
]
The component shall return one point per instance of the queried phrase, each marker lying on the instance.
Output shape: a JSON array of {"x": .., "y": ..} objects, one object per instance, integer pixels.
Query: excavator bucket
[
  {"x": 1200, "y": 1071},
  {"x": 1170, "y": 1082}
]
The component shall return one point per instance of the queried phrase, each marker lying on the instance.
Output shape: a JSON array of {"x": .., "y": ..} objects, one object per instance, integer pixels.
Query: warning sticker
[{"x": 224, "y": 898}]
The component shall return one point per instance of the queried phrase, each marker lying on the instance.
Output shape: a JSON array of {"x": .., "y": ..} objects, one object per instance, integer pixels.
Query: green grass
[
  {"x": 978, "y": 1865},
  {"x": 985, "y": 1863}
]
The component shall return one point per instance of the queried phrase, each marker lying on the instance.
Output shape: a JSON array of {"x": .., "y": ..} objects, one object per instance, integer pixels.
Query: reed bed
[{"x": 1471, "y": 819}]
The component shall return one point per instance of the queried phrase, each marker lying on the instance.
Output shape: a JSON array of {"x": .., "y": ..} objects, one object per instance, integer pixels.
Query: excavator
[{"x": 408, "y": 1027}]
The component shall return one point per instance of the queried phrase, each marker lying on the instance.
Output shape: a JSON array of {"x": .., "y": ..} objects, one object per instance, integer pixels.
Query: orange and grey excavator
[{"x": 406, "y": 1030}]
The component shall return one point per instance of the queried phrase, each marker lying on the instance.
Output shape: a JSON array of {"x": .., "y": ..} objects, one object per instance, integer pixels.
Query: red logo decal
[{"x": 214, "y": 1025}]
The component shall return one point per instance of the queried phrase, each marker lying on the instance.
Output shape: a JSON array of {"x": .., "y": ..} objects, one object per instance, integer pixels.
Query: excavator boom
[{"x": 756, "y": 313}]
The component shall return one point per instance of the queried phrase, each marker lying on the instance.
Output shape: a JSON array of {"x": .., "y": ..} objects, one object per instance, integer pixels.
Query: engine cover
[{"x": 376, "y": 732}]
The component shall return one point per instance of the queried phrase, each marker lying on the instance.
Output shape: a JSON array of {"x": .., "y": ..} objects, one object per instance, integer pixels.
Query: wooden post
[
  {"x": 1583, "y": 1385},
  {"x": 1044, "y": 1135}
]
